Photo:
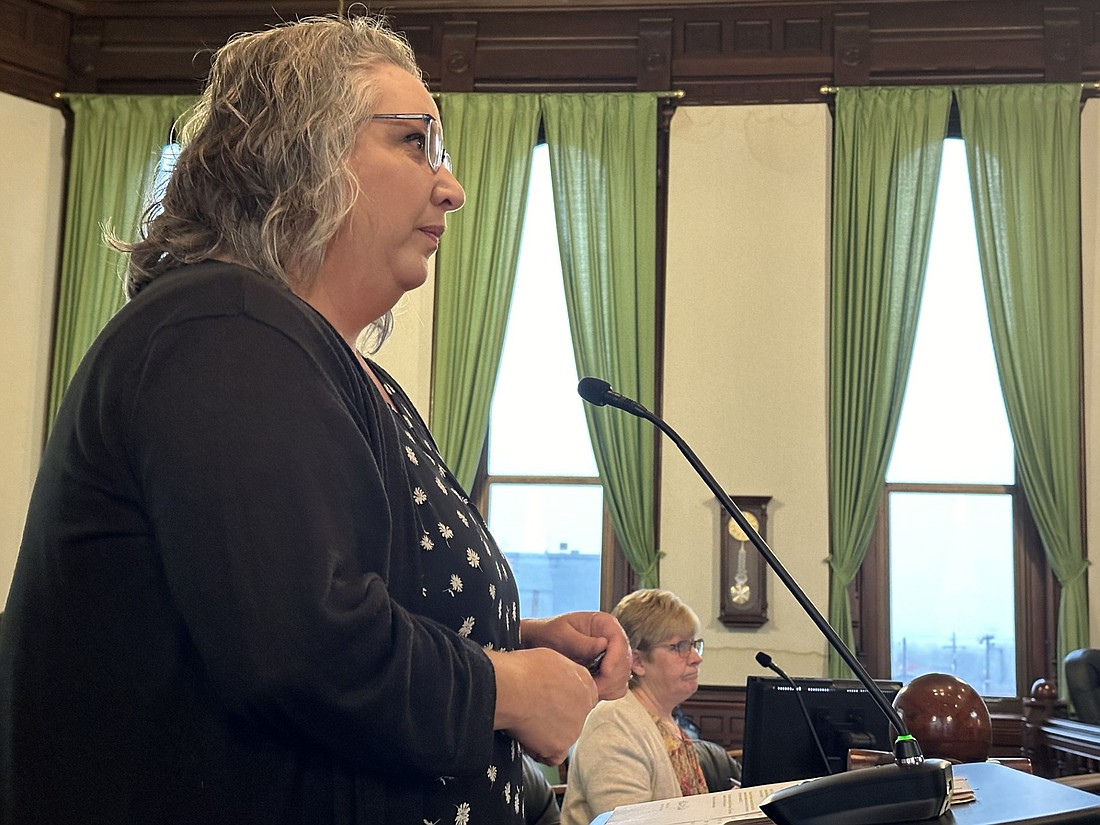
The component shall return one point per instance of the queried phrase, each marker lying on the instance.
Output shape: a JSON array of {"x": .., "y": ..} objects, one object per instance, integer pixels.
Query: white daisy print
[
  {"x": 492, "y": 773},
  {"x": 508, "y": 792},
  {"x": 419, "y": 496},
  {"x": 472, "y": 558},
  {"x": 462, "y": 814},
  {"x": 467, "y": 627},
  {"x": 446, "y": 531},
  {"x": 412, "y": 456},
  {"x": 492, "y": 590},
  {"x": 456, "y": 585},
  {"x": 426, "y": 542},
  {"x": 441, "y": 486},
  {"x": 462, "y": 517}
]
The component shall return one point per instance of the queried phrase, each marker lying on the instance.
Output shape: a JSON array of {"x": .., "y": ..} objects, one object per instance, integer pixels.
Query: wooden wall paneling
[
  {"x": 655, "y": 54},
  {"x": 564, "y": 51},
  {"x": 719, "y": 713},
  {"x": 852, "y": 50},
  {"x": 459, "y": 55},
  {"x": 717, "y": 52},
  {"x": 1061, "y": 45},
  {"x": 34, "y": 40}
]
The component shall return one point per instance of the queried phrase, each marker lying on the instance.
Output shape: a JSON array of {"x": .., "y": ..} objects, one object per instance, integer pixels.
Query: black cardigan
[{"x": 206, "y": 622}]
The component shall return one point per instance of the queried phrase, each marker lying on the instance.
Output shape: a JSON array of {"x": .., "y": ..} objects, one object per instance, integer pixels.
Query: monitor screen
[{"x": 778, "y": 745}]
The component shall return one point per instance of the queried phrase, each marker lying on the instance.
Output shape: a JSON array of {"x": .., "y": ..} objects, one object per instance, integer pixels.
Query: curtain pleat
[
  {"x": 603, "y": 163},
  {"x": 886, "y": 161},
  {"x": 1023, "y": 149},
  {"x": 492, "y": 136},
  {"x": 116, "y": 146}
]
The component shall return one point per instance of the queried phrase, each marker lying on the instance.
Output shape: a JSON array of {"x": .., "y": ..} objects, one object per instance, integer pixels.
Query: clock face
[{"x": 736, "y": 531}]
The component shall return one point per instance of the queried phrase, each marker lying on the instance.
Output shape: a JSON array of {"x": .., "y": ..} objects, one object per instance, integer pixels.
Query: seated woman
[{"x": 631, "y": 749}]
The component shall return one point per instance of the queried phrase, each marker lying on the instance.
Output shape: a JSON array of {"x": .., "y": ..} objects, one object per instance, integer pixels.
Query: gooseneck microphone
[
  {"x": 598, "y": 393},
  {"x": 764, "y": 660},
  {"x": 911, "y": 789}
]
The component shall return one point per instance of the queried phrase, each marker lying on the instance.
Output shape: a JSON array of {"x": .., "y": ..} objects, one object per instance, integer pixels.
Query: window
[
  {"x": 954, "y": 551},
  {"x": 543, "y": 498}
]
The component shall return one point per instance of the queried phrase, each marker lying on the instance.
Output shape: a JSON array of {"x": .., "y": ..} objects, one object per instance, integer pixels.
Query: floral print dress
[{"x": 467, "y": 585}]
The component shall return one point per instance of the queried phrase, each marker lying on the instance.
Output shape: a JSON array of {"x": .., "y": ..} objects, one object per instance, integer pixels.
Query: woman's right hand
[{"x": 543, "y": 699}]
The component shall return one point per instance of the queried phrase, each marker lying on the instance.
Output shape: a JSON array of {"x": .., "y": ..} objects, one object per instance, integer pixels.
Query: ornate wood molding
[{"x": 728, "y": 52}]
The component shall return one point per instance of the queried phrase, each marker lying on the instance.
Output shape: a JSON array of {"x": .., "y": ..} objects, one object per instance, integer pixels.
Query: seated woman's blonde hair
[{"x": 649, "y": 616}]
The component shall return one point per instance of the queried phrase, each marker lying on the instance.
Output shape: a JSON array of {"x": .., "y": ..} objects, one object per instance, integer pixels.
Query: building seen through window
[
  {"x": 951, "y": 479},
  {"x": 545, "y": 502}
]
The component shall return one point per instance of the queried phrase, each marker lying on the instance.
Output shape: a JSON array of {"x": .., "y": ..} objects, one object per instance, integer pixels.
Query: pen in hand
[{"x": 594, "y": 665}]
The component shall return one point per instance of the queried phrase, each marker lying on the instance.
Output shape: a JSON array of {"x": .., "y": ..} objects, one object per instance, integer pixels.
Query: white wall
[
  {"x": 31, "y": 171},
  {"x": 744, "y": 365}
]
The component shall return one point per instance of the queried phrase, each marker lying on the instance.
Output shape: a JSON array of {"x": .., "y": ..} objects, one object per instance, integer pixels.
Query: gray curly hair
[{"x": 263, "y": 177}]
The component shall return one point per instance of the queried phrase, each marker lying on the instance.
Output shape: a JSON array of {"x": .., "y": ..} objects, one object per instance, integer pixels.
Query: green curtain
[
  {"x": 1023, "y": 148},
  {"x": 888, "y": 144},
  {"x": 116, "y": 145},
  {"x": 603, "y": 162},
  {"x": 491, "y": 136}
]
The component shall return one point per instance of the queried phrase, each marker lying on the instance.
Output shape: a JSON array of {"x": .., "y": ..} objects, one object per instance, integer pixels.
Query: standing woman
[
  {"x": 249, "y": 589},
  {"x": 631, "y": 749}
]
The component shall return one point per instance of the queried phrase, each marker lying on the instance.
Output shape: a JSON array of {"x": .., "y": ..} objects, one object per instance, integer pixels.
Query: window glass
[
  {"x": 167, "y": 162},
  {"x": 953, "y": 425},
  {"x": 552, "y": 535},
  {"x": 537, "y": 422},
  {"x": 545, "y": 503},
  {"x": 951, "y": 589},
  {"x": 951, "y": 550}
]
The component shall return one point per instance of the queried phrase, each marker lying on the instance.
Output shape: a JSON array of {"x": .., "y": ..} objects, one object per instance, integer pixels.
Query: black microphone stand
[
  {"x": 816, "y": 808},
  {"x": 764, "y": 660}
]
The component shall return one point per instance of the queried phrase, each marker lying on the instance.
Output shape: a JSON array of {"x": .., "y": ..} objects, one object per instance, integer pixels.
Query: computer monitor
[{"x": 778, "y": 745}]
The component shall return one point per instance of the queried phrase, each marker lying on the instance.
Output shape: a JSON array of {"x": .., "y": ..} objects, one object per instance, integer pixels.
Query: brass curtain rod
[
  {"x": 675, "y": 94},
  {"x": 1091, "y": 85}
]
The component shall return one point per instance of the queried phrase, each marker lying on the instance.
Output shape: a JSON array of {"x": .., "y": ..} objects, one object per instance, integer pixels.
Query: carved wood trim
[{"x": 716, "y": 52}]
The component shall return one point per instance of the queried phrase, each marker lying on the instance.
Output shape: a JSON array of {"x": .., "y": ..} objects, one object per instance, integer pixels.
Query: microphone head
[
  {"x": 763, "y": 659},
  {"x": 594, "y": 390}
]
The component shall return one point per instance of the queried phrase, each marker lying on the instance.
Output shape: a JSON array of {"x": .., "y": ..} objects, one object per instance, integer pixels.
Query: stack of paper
[{"x": 740, "y": 806}]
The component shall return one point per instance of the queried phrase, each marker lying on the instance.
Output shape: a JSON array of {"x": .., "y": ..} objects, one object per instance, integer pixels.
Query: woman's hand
[
  {"x": 543, "y": 699},
  {"x": 583, "y": 636}
]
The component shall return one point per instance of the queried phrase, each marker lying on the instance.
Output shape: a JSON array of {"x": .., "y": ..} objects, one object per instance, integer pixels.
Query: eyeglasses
[
  {"x": 685, "y": 647},
  {"x": 434, "y": 152}
]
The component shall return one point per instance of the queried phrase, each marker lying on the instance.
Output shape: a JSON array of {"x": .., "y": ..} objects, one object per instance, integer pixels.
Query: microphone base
[{"x": 881, "y": 795}]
